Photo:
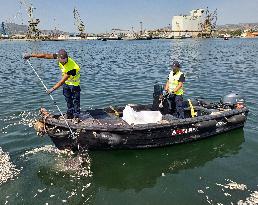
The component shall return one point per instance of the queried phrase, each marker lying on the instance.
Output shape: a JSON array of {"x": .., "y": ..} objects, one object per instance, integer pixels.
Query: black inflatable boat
[{"x": 101, "y": 129}]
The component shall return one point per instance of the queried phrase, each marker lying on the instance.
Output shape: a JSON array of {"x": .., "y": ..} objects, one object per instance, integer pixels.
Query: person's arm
[
  {"x": 166, "y": 86},
  {"x": 179, "y": 86},
  {"x": 59, "y": 84},
  {"x": 40, "y": 55}
]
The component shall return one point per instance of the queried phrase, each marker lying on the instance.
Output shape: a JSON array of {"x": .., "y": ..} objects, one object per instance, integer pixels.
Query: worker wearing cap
[
  {"x": 70, "y": 80},
  {"x": 174, "y": 87}
]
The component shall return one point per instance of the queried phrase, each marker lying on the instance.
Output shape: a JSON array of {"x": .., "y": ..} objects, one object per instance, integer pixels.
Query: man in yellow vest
[
  {"x": 70, "y": 80},
  {"x": 174, "y": 87}
]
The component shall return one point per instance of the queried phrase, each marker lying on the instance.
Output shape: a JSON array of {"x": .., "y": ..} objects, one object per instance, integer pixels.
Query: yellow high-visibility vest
[
  {"x": 174, "y": 81},
  {"x": 71, "y": 65}
]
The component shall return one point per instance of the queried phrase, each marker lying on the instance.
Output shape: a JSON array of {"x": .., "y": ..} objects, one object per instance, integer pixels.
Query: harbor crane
[
  {"x": 3, "y": 29},
  {"x": 141, "y": 32},
  {"x": 79, "y": 23},
  {"x": 33, "y": 31},
  {"x": 209, "y": 23}
]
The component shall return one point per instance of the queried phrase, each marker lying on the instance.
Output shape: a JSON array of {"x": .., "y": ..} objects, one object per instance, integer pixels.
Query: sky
[{"x": 103, "y": 15}]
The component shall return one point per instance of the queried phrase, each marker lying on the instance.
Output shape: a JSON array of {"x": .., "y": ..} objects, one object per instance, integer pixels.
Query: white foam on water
[{"x": 8, "y": 170}]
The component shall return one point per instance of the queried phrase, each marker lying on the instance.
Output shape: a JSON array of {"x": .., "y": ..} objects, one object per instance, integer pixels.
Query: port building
[{"x": 188, "y": 25}]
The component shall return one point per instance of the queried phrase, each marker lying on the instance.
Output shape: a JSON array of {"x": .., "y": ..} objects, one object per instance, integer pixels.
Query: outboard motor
[
  {"x": 160, "y": 102},
  {"x": 233, "y": 100},
  {"x": 158, "y": 88}
]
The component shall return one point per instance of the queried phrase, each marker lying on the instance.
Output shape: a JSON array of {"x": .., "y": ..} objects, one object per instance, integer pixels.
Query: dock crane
[
  {"x": 79, "y": 23},
  {"x": 209, "y": 24},
  {"x": 3, "y": 28},
  {"x": 33, "y": 31},
  {"x": 141, "y": 32}
]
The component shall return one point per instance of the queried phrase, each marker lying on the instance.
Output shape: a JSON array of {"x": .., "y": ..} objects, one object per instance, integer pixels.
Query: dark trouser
[
  {"x": 176, "y": 105},
  {"x": 72, "y": 98}
]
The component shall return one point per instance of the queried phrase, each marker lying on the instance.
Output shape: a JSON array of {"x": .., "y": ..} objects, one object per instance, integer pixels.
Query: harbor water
[{"x": 218, "y": 170}]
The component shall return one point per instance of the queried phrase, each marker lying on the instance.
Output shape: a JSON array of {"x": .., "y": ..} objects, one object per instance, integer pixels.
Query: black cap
[
  {"x": 62, "y": 56},
  {"x": 176, "y": 64}
]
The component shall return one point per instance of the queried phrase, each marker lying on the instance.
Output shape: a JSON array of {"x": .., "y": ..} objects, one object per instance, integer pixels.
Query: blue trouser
[
  {"x": 177, "y": 102},
  {"x": 72, "y": 98}
]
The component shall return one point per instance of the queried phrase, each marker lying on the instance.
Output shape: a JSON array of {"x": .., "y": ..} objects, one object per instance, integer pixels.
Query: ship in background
[{"x": 200, "y": 23}]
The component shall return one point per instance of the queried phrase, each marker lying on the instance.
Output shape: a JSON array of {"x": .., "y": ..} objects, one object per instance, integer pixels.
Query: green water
[{"x": 117, "y": 73}]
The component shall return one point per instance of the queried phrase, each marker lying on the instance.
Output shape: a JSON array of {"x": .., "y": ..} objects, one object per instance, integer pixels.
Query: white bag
[{"x": 142, "y": 117}]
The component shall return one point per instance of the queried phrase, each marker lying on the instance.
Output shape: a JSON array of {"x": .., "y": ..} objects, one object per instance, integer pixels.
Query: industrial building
[{"x": 199, "y": 22}]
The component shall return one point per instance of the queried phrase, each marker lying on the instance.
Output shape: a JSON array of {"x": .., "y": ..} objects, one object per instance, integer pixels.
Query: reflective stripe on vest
[
  {"x": 71, "y": 65},
  {"x": 174, "y": 81}
]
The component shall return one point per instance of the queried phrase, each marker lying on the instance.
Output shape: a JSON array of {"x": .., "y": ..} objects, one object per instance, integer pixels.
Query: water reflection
[{"x": 137, "y": 170}]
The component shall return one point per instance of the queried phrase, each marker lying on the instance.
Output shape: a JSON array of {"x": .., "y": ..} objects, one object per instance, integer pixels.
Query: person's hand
[
  {"x": 26, "y": 56},
  {"x": 50, "y": 91},
  {"x": 164, "y": 92}
]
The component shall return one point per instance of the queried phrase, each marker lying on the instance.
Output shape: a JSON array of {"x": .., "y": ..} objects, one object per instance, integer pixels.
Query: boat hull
[
  {"x": 148, "y": 137},
  {"x": 136, "y": 140}
]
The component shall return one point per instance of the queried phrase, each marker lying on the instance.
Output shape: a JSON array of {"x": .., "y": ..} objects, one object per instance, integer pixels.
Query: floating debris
[
  {"x": 7, "y": 169},
  {"x": 79, "y": 163},
  {"x": 41, "y": 190},
  {"x": 47, "y": 149},
  {"x": 227, "y": 194},
  {"x": 66, "y": 164},
  {"x": 175, "y": 164},
  {"x": 200, "y": 191},
  {"x": 26, "y": 118},
  {"x": 233, "y": 185},
  {"x": 252, "y": 200}
]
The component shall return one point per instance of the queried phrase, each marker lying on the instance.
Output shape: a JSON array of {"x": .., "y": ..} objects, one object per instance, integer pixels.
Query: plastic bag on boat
[{"x": 142, "y": 117}]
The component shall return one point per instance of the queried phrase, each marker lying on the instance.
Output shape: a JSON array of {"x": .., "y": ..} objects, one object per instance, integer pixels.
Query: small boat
[
  {"x": 227, "y": 36},
  {"x": 144, "y": 37},
  {"x": 105, "y": 129},
  {"x": 179, "y": 37}
]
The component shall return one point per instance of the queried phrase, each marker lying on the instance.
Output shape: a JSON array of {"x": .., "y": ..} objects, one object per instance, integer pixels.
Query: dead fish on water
[
  {"x": 40, "y": 128},
  {"x": 80, "y": 164},
  {"x": 74, "y": 163}
]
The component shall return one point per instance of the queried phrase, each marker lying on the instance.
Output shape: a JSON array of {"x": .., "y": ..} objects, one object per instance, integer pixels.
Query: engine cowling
[{"x": 232, "y": 99}]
